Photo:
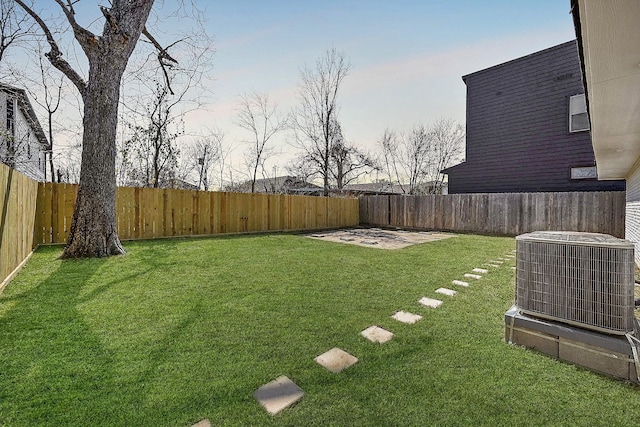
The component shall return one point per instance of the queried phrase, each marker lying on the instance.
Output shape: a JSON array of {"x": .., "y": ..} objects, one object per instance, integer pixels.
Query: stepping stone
[
  {"x": 445, "y": 291},
  {"x": 336, "y": 360},
  {"x": 405, "y": 317},
  {"x": 460, "y": 283},
  {"x": 493, "y": 265},
  {"x": 377, "y": 334},
  {"x": 513, "y": 268},
  {"x": 473, "y": 276},
  {"x": 202, "y": 423},
  {"x": 277, "y": 395},
  {"x": 495, "y": 261},
  {"x": 480, "y": 270},
  {"x": 430, "y": 302}
]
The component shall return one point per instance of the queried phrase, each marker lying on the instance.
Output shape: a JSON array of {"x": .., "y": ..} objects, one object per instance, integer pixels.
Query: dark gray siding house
[{"x": 527, "y": 131}]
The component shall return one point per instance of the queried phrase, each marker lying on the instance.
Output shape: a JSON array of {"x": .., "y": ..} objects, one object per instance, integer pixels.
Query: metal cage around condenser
[{"x": 583, "y": 279}]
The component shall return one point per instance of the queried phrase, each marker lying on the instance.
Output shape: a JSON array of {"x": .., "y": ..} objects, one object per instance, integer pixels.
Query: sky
[{"x": 407, "y": 56}]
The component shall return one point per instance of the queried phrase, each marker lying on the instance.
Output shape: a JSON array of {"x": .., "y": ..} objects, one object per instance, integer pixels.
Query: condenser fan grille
[{"x": 580, "y": 278}]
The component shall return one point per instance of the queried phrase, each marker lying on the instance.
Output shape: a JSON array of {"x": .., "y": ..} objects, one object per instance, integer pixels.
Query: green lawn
[{"x": 180, "y": 330}]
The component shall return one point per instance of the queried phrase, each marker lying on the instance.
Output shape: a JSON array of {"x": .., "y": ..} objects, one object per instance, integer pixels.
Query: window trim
[{"x": 578, "y": 105}]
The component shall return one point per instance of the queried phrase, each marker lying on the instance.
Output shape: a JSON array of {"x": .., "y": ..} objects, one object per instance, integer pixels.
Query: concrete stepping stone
[
  {"x": 430, "y": 302},
  {"x": 445, "y": 291},
  {"x": 480, "y": 270},
  {"x": 278, "y": 395},
  {"x": 492, "y": 265},
  {"x": 495, "y": 261},
  {"x": 405, "y": 317},
  {"x": 335, "y": 360},
  {"x": 513, "y": 268},
  {"x": 202, "y": 423},
  {"x": 460, "y": 283},
  {"x": 473, "y": 276},
  {"x": 377, "y": 334}
]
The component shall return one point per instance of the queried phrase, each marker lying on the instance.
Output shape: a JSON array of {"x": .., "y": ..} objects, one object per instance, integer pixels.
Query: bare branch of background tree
[
  {"x": 14, "y": 26},
  {"x": 258, "y": 116},
  {"x": 415, "y": 159},
  {"x": 314, "y": 120}
]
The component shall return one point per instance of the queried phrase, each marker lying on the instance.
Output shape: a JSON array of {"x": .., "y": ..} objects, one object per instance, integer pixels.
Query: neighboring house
[
  {"x": 609, "y": 45},
  {"x": 23, "y": 144},
  {"x": 386, "y": 188},
  {"x": 279, "y": 185},
  {"x": 528, "y": 129},
  {"x": 373, "y": 188}
]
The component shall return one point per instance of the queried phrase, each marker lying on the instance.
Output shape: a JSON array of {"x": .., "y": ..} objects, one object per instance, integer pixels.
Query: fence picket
[{"x": 500, "y": 213}]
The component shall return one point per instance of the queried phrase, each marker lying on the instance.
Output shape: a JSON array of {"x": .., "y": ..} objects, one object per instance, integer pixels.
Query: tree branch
[
  {"x": 164, "y": 58},
  {"x": 55, "y": 55}
]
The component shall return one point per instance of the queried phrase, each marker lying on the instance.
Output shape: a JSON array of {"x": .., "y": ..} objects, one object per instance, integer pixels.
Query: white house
[
  {"x": 23, "y": 144},
  {"x": 608, "y": 35}
]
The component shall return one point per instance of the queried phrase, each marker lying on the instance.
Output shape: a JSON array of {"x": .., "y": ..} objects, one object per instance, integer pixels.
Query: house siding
[
  {"x": 632, "y": 214},
  {"x": 29, "y": 157},
  {"x": 518, "y": 137}
]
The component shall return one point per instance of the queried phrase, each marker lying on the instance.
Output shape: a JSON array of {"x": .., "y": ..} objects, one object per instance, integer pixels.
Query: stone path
[
  {"x": 377, "y": 334},
  {"x": 279, "y": 394},
  {"x": 282, "y": 393}
]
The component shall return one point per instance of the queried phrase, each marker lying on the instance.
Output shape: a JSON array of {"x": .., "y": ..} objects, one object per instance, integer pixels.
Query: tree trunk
[
  {"x": 53, "y": 175},
  {"x": 93, "y": 229}
]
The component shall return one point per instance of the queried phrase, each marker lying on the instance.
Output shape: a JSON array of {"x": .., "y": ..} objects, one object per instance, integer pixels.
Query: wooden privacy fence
[
  {"x": 17, "y": 212},
  {"x": 147, "y": 213},
  {"x": 500, "y": 213}
]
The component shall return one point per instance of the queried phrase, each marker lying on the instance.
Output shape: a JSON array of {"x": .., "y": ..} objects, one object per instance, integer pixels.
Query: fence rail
[
  {"x": 147, "y": 213},
  {"x": 503, "y": 214},
  {"x": 17, "y": 212}
]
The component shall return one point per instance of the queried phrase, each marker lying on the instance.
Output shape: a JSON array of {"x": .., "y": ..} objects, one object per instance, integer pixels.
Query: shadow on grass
[
  {"x": 53, "y": 368},
  {"x": 92, "y": 342}
]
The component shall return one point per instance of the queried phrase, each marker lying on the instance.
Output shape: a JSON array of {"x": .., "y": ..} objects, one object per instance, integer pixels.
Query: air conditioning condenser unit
[{"x": 583, "y": 279}]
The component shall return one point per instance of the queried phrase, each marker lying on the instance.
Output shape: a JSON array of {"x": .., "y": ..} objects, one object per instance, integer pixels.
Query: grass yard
[{"x": 186, "y": 329}]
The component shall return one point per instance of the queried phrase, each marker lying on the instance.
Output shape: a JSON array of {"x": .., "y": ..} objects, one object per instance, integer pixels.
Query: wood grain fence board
[
  {"x": 500, "y": 213},
  {"x": 147, "y": 213},
  {"x": 41, "y": 213},
  {"x": 18, "y": 204}
]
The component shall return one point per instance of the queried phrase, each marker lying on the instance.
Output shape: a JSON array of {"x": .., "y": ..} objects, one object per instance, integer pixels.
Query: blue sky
[{"x": 408, "y": 56}]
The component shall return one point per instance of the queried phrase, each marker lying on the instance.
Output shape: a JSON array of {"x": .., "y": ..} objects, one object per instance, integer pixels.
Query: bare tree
[
  {"x": 415, "y": 159},
  {"x": 389, "y": 146},
  {"x": 48, "y": 98},
  {"x": 93, "y": 228},
  {"x": 258, "y": 116},
  {"x": 347, "y": 163},
  {"x": 408, "y": 156},
  {"x": 151, "y": 150},
  {"x": 447, "y": 144},
  {"x": 201, "y": 157},
  {"x": 314, "y": 120},
  {"x": 14, "y": 26}
]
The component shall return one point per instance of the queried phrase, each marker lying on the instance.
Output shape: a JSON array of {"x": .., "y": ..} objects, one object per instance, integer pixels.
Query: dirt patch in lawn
[{"x": 379, "y": 238}]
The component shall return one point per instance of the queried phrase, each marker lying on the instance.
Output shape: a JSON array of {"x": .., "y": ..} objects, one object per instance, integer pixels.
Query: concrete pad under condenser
[
  {"x": 377, "y": 334},
  {"x": 473, "y": 276},
  {"x": 278, "y": 395},
  {"x": 430, "y": 302},
  {"x": 460, "y": 283},
  {"x": 445, "y": 291},
  {"x": 335, "y": 360},
  {"x": 405, "y": 317},
  {"x": 480, "y": 270}
]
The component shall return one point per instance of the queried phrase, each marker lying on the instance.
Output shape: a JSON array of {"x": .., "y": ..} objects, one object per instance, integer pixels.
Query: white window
[
  {"x": 587, "y": 172},
  {"x": 578, "y": 118}
]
